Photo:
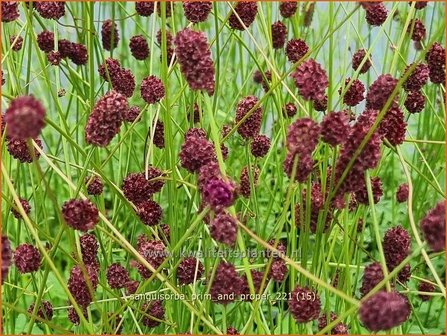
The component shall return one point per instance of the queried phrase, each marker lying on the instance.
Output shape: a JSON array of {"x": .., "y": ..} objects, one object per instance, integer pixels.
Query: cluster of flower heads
[
  {"x": 76, "y": 52},
  {"x": 138, "y": 188}
]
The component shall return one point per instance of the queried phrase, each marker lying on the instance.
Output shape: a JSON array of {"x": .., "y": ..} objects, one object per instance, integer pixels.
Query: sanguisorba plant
[{"x": 223, "y": 167}]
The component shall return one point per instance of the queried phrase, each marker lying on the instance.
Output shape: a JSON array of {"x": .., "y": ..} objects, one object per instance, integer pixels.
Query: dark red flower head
[
  {"x": 139, "y": 47},
  {"x": 393, "y": 126},
  {"x": 194, "y": 56},
  {"x": 303, "y": 169},
  {"x": 219, "y": 193},
  {"x": 402, "y": 193},
  {"x": 433, "y": 227},
  {"x": 109, "y": 69},
  {"x": 154, "y": 312},
  {"x": 196, "y": 151},
  {"x": 320, "y": 104},
  {"x": 281, "y": 247},
  {"x": 436, "y": 62},
  {"x": 64, "y": 47},
  {"x": 425, "y": 287},
  {"x": 94, "y": 185},
  {"x": 73, "y": 315},
  {"x": 304, "y": 304},
  {"x": 144, "y": 8},
  {"x": 335, "y": 128},
  {"x": 311, "y": 80},
  {"x": 418, "y": 78},
  {"x": 279, "y": 34},
  {"x": 152, "y": 89},
  {"x": 89, "y": 249},
  {"x": 54, "y": 57},
  {"x": 136, "y": 188},
  {"x": 78, "y": 54},
  {"x": 420, "y": 4},
  {"x": 6, "y": 257},
  {"x": 223, "y": 229},
  {"x": 109, "y": 35},
  {"x": 289, "y": 110},
  {"x": 16, "y": 42},
  {"x": 251, "y": 125},
  {"x": 260, "y": 145},
  {"x": 80, "y": 214},
  {"x": 417, "y": 30},
  {"x": 50, "y": 9},
  {"x": 368, "y": 158},
  {"x": 372, "y": 275},
  {"x": 376, "y": 13},
  {"x": 20, "y": 150},
  {"x": 232, "y": 331},
  {"x": 169, "y": 49},
  {"x": 153, "y": 177},
  {"x": 245, "y": 181},
  {"x": 197, "y": 11},
  {"x": 396, "y": 246},
  {"x": 339, "y": 329},
  {"x": 123, "y": 82},
  {"x": 106, "y": 118},
  {"x": 10, "y": 11},
  {"x": 25, "y": 205},
  {"x": 153, "y": 251},
  {"x": 358, "y": 58},
  {"x": 361, "y": 195},
  {"x": 257, "y": 277},
  {"x": 309, "y": 9},
  {"x": 302, "y": 136},
  {"x": 296, "y": 49},
  {"x": 132, "y": 286},
  {"x": 195, "y": 133},
  {"x": 354, "y": 94},
  {"x": 189, "y": 269},
  {"x": 226, "y": 285},
  {"x": 258, "y": 77},
  {"x": 132, "y": 114},
  {"x": 415, "y": 102},
  {"x": 82, "y": 284},
  {"x": 159, "y": 134},
  {"x": 379, "y": 91},
  {"x": 404, "y": 274},
  {"x": 287, "y": 8},
  {"x": 27, "y": 258},
  {"x": 149, "y": 212},
  {"x": 25, "y": 118},
  {"x": 117, "y": 276},
  {"x": 45, "y": 40},
  {"x": 45, "y": 311},
  {"x": 246, "y": 12},
  {"x": 206, "y": 173},
  {"x": 384, "y": 310},
  {"x": 278, "y": 270},
  {"x": 165, "y": 230},
  {"x": 437, "y": 75},
  {"x": 435, "y": 56},
  {"x": 169, "y": 7}
]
